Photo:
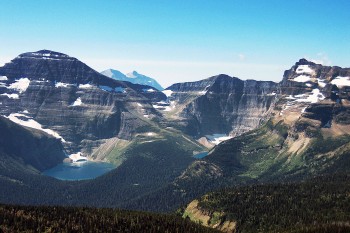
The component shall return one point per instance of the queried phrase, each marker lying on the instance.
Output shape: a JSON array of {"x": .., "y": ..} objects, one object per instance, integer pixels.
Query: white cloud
[{"x": 320, "y": 58}]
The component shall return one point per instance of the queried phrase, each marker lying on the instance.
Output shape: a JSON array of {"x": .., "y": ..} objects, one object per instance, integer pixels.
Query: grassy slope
[{"x": 265, "y": 153}]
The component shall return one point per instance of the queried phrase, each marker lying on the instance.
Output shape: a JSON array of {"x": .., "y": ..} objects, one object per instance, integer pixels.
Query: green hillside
[
  {"x": 321, "y": 204},
  {"x": 69, "y": 219}
]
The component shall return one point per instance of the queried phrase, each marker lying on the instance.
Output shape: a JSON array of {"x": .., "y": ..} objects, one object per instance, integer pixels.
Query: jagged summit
[{"x": 304, "y": 61}]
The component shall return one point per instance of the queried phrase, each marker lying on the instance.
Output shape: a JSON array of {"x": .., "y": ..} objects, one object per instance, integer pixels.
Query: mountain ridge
[{"x": 280, "y": 131}]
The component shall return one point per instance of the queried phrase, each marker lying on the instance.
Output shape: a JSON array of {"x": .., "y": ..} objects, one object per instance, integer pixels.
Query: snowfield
[
  {"x": 341, "y": 81},
  {"x": 164, "y": 106},
  {"x": 77, "y": 102},
  {"x": 304, "y": 69},
  {"x": 85, "y": 86},
  {"x": 321, "y": 83},
  {"x": 148, "y": 90},
  {"x": 313, "y": 98},
  {"x": 167, "y": 92},
  {"x": 217, "y": 138},
  {"x": 29, "y": 122},
  {"x": 20, "y": 85},
  {"x": 77, "y": 156},
  {"x": 59, "y": 84},
  {"x": 302, "y": 79},
  {"x": 11, "y": 96}
]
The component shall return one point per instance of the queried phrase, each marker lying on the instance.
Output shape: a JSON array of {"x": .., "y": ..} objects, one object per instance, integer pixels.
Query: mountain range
[{"x": 54, "y": 106}]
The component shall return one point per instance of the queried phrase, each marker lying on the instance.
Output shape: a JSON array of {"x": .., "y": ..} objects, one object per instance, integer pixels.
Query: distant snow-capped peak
[{"x": 133, "y": 77}]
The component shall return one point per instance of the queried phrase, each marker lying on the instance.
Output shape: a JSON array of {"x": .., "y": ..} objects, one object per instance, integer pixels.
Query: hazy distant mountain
[{"x": 132, "y": 77}]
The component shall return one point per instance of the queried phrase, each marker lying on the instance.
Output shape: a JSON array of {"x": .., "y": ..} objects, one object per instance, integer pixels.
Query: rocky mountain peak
[{"x": 304, "y": 61}]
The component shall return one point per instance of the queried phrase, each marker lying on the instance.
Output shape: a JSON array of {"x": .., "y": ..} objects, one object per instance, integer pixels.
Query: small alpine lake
[
  {"x": 79, "y": 170},
  {"x": 201, "y": 155}
]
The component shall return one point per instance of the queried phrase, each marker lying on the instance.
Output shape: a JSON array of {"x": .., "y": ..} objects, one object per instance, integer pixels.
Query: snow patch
[
  {"x": 3, "y": 78},
  {"x": 301, "y": 69},
  {"x": 20, "y": 85},
  {"x": 217, "y": 138},
  {"x": 308, "y": 84},
  {"x": 158, "y": 106},
  {"x": 315, "y": 96},
  {"x": 150, "y": 134},
  {"x": 148, "y": 90},
  {"x": 164, "y": 106},
  {"x": 85, "y": 86},
  {"x": 167, "y": 92},
  {"x": 60, "y": 84},
  {"x": 302, "y": 79},
  {"x": 77, "y": 157},
  {"x": 29, "y": 122},
  {"x": 77, "y": 102},
  {"x": 271, "y": 94},
  {"x": 11, "y": 96},
  {"x": 138, "y": 104},
  {"x": 167, "y": 109},
  {"x": 321, "y": 83},
  {"x": 341, "y": 81},
  {"x": 290, "y": 97}
]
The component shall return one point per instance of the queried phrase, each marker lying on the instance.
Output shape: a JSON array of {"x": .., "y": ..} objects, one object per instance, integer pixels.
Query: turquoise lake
[
  {"x": 79, "y": 171},
  {"x": 201, "y": 155}
]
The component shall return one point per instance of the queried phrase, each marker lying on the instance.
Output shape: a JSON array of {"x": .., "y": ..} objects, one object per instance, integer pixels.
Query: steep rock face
[
  {"x": 223, "y": 104},
  {"x": 29, "y": 146},
  {"x": 307, "y": 135},
  {"x": 62, "y": 94},
  {"x": 315, "y": 92},
  {"x": 306, "y": 75}
]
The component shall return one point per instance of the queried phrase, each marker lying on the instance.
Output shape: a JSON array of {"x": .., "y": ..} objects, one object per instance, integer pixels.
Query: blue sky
[{"x": 176, "y": 41}]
